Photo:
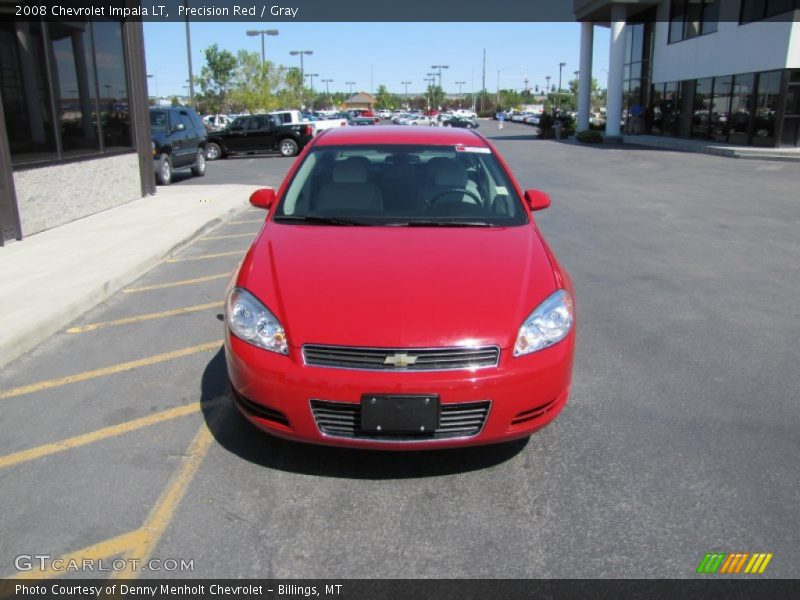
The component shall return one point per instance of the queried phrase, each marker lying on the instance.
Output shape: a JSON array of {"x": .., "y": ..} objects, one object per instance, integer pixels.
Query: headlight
[
  {"x": 252, "y": 322},
  {"x": 547, "y": 325}
]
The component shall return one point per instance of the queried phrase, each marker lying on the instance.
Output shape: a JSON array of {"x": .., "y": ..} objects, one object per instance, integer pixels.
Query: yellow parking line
[
  {"x": 204, "y": 256},
  {"x": 94, "y": 436},
  {"x": 146, "y": 317},
  {"x": 110, "y": 370},
  {"x": 228, "y": 237},
  {"x": 243, "y": 221},
  {"x": 161, "y": 286},
  {"x": 105, "y": 549},
  {"x": 161, "y": 514}
]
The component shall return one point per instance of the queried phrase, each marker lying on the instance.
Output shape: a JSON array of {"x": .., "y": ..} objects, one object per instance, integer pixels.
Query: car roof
[{"x": 392, "y": 134}]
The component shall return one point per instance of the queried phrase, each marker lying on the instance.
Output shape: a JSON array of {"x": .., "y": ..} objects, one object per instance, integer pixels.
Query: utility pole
[
  {"x": 483, "y": 81},
  {"x": 189, "y": 56}
]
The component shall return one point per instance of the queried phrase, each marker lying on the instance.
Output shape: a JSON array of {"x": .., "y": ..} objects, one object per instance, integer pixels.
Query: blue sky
[{"x": 391, "y": 52}]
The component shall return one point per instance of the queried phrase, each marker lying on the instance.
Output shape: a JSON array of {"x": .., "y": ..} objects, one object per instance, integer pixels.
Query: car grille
[
  {"x": 427, "y": 359},
  {"x": 343, "y": 419}
]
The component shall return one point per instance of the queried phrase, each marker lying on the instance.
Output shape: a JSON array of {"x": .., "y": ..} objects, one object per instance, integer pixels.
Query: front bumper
[{"x": 276, "y": 393}]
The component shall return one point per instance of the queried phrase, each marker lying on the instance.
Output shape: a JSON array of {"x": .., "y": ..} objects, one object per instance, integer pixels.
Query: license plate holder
[{"x": 398, "y": 413}]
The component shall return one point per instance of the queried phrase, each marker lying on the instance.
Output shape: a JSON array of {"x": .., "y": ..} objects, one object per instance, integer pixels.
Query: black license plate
[{"x": 381, "y": 413}]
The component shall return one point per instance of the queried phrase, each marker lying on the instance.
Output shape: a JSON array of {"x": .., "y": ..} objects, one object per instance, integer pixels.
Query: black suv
[{"x": 179, "y": 142}]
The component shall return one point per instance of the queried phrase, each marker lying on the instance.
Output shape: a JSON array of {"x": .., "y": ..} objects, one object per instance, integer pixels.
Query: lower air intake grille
[
  {"x": 343, "y": 419},
  {"x": 260, "y": 411}
]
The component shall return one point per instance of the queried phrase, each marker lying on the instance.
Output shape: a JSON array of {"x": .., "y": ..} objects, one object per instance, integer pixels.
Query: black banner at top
[{"x": 275, "y": 11}]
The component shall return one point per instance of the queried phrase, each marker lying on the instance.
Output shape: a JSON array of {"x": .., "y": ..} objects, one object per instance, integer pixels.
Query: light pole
[
  {"x": 561, "y": 65},
  {"x": 301, "y": 53},
  {"x": 497, "y": 90},
  {"x": 327, "y": 89},
  {"x": 406, "y": 84},
  {"x": 430, "y": 81},
  {"x": 440, "y": 67},
  {"x": 154, "y": 77},
  {"x": 262, "y": 33},
  {"x": 311, "y": 79},
  {"x": 351, "y": 84},
  {"x": 459, "y": 84},
  {"x": 547, "y": 90}
]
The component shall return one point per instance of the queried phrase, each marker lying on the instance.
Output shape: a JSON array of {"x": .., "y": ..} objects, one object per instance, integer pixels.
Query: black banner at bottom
[{"x": 401, "y": 589}]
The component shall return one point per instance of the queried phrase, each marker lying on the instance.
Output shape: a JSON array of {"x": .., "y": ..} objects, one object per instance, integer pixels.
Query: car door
[
  {"x": 177, "y": 138},
  {"x": 261, "y": 133},
  {"x": 235, "y": 136}
]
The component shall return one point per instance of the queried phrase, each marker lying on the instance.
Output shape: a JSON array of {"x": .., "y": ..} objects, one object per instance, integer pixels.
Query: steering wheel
[{"x": 469, "y": 193}]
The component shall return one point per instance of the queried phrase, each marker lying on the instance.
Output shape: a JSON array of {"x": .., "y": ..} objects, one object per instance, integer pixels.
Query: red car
[{"x": 400, "y": 296}]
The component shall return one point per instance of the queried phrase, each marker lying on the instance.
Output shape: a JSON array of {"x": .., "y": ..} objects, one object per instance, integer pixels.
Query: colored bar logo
[{"x": 734, "y": 563}]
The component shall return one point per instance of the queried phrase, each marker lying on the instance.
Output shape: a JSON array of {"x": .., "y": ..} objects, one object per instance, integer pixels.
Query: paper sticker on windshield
[
  {"x": 477, "y": 149},
  {"x": 501, "y": 190}
]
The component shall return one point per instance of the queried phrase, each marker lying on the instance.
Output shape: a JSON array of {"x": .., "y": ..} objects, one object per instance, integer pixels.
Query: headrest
[
  {"x": 450, "y": 174},
  {"x": 351, "y": 170}
]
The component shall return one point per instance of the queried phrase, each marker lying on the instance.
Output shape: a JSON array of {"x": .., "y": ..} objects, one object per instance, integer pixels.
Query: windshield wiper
[
  {"x": 439, "y": 224},
  {"x": 318, "y": 219}
]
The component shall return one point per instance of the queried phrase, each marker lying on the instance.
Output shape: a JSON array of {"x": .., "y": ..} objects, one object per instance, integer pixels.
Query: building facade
[
  {"x": 721, "y": 70},
  {"x": 74, "y": 121}
]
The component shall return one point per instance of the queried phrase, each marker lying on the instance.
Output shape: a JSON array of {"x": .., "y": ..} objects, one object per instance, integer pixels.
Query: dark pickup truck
[{"x": 258, "y": 133}]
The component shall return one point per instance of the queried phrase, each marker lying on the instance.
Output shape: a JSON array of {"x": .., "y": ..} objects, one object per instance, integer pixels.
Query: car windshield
[
  {"x": 401, "y": 185},
  {"x": 158, "y": 120}
]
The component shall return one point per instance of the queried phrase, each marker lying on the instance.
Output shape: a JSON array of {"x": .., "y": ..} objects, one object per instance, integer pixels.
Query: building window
[
  {"x": 690, "y": 18},
  {"x": 25, "y": 92},
  {"x": 64, "y": 89},
  {"x": 766, "y": 108},
  {"x": 755, "y": 10},
  {"x": 720, "y": 117},
  {"x": 741, "y": 108},
  {"x": 701, "y": 111}
]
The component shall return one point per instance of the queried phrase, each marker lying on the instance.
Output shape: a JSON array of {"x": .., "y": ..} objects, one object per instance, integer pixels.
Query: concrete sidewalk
[
  {"x": 714, "y": 148},
  {"x": 53, "y": 277}
]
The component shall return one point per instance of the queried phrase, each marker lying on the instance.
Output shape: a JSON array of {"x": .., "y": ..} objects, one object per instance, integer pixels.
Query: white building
[{"x": 722, "y": 70}]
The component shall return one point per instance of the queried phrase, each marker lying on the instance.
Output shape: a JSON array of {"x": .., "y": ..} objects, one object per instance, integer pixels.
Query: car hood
[{"x": 399, "y": 286}]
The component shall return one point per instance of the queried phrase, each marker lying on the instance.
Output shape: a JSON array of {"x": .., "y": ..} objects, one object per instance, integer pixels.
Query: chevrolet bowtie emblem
[{"x": 400, "y": 360}]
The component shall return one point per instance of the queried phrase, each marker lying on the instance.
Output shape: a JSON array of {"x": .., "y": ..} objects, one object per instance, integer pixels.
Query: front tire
[
  {"x": 213, "y": 151},
  {"x": 288, "y": 147},
  {"x": 164, "y": 173},
  {"x": 199, "y": 168}
]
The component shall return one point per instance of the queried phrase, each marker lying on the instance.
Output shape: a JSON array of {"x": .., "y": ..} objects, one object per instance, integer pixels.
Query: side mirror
[
  {"x": 263, "y": 198},
  {"x": 179, "y": 127},
  {"x": 537, "y": 199}
]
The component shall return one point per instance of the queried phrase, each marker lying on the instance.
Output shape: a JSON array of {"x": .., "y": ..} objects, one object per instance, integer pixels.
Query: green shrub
[{"x": 589, "y": 136}]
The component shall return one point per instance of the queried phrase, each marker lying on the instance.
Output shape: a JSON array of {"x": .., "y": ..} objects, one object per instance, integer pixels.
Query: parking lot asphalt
[{"x": 680, "y": 436}]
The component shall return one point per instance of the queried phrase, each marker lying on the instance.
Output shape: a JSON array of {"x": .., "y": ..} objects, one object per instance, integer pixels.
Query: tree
[
  {"x": 574, "y": 86},
  {"x": 175, "y": 101},
  {"x": 383, "y": 99},
  {"x": 216, "y": 77},
  {"x": 254, "y": 83}
]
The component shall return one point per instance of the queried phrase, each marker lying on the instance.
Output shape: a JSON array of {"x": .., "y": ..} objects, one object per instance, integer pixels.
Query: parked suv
[{"x": 179, "y": 142}]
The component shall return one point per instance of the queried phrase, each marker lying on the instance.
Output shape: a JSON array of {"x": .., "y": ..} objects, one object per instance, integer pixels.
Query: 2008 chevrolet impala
[{"x": 400, "y": 296}]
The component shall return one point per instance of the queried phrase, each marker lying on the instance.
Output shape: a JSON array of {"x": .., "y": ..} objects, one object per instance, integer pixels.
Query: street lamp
[
  {"x": 154, "y": 77},
  {"x": 327, "y": 89},
  {"x": 497, "y": 91},
  {"x": 301, "y": 53},
  {"x": 406, "y": 84},
  {"x": 430, "y": 81},
  {"x": 262, "y": 33},
  {"x": 547, "y": 90},
  {"x": 459, "y": 84},
  {"x": 351, "y": 84},
  {"x": 561, "y": 65},
  {"x": 440, "y": 67},
  {"x": 311, "y": 79}
]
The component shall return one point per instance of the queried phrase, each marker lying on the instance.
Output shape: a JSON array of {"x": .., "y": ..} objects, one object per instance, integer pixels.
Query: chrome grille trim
[
  {"x": 427, "y": 359},
  {"x": 343, "y": 419}
]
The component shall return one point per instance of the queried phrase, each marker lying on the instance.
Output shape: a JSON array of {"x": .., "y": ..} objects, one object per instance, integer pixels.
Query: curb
[{"x": 27, "y": 341}]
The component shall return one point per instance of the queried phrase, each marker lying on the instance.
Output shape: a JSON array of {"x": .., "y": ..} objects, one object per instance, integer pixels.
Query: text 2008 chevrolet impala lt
[{"x": 400, "y": 296}]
